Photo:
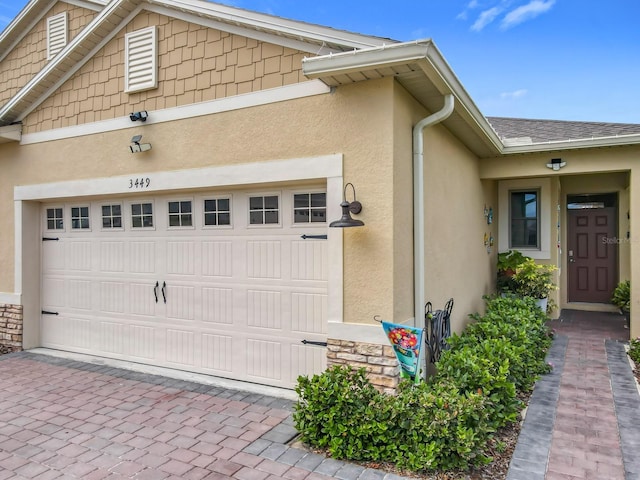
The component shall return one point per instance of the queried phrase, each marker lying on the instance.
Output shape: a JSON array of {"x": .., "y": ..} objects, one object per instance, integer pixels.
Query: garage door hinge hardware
[
  {"x": 46, "y": 312},
  {"x": 50, "y": 239},
  {"x": 309, "y": 342},
  {"x": 164, "y": 291},
  {"x": 318, "y": 237},
  {"x": 155, "y": 291}
]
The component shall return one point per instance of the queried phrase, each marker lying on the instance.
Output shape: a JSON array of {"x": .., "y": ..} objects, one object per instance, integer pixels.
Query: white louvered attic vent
[
  {"x": 56, "y": 34},
  {"x": 141, "y": 60}
]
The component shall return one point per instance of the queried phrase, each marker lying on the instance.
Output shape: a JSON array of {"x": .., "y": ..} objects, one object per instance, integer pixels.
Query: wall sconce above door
[
  {"x": 556, "y": 164},
  {"x": 348, "y": 208}
]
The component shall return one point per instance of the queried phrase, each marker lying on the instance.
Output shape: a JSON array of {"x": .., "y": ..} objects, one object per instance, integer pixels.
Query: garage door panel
[
  {"x": 112, "y": 297},
  {"x": 239, "y": 299},
  {"x": 264, "y": 259},
  {"x": 264, "y": 309},
  {"x": 309, "y": 260},
  {"x": 217, "y": 305},
  {"x": 180, "y": 346},
  {"x": 181, "y": 258},
  {"x": 180, "y": 302},
  {"x": 217, "y": 258},
  {"x": 142, "y": 257},
  {"x": 264, "y": 359},
  {"x": 79, "y": 256},
  {"x": 305, "y": 359},
  {"x": 112, "y": 256},
  {"x": 53, "y": 256},
  {"x": 142, "y": 298},
  {"x": 216, "y": 352},
  {"x": 309, "y": 312}
]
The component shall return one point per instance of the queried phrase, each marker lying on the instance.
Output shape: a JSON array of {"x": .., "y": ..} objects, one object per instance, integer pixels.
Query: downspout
[{"x": 418, "y": 203}]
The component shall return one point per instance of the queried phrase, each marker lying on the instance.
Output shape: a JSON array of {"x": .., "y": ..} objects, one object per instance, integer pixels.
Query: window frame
[
  {"x": 192, "y": 214},
  {"x": 203, "y": 213},
  {"x": 46, "y": 219},
  {"x": 71, "y": 218},
  {"x": 264, "y": 195},
  {"x": 122, "y": 217},
  {"x": 310, "y": 208},
  {"x": 543, "y": 185},
  {"x": 153, "y": 215},
  {"x": 535, "y": 191}
]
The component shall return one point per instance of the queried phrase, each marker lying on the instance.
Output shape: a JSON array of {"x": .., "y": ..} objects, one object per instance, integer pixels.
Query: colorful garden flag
[{"x": 406, "y": 342}]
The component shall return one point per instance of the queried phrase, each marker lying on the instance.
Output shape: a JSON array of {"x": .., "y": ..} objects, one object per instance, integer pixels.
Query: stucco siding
[
  {"x": 457, "y": 262},
  {"x": 195, "y": 64},
  {"x": 30, "y": 55},
  {"x": 312, "y": 126}
]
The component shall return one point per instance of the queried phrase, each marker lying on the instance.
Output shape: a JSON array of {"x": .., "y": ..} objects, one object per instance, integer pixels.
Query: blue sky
[{"x": 549, "y": 59}]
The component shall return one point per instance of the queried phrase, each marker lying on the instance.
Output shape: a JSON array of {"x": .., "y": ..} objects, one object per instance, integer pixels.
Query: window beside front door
[{"x": 525, "y": 219}]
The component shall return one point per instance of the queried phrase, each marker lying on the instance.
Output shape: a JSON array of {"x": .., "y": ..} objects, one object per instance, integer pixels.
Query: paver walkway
[
  {"x": 583, "y": 420},
  {"x": 64, "y": 419}
]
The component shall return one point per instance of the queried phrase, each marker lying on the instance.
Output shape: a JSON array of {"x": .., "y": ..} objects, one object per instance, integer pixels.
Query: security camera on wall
[{"x": 137, "y": 147}]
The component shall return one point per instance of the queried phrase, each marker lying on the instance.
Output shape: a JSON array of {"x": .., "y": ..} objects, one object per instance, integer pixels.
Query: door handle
[
  {"x": 155, "y": 291},
  {"x": 164, "y": 291}
]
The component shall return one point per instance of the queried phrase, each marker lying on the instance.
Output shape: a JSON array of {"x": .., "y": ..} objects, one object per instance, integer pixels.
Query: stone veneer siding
[
  {"x": 379, "y": 361},
  {"x": 10, "y": 327}
]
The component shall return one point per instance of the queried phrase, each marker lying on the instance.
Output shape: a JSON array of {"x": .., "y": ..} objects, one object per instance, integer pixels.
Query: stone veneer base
[{"x": 11, "y": 327}]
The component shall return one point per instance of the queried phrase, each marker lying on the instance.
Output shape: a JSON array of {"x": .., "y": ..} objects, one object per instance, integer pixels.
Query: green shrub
[
  {"x": 442, "y": 424},
  {"x": 634, "y": 350}
]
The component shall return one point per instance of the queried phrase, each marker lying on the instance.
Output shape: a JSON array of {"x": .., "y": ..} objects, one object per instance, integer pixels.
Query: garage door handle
[
  {"x": 155, "y": 291},
  {"x": 164, "y": 291}
]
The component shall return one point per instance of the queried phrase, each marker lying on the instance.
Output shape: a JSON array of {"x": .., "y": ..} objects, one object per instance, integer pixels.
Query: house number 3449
[{"x": 143, "y": 182}]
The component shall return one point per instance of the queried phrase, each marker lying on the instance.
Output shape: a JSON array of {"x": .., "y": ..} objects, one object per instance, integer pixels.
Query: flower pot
[{"x": 542, "y": 303}]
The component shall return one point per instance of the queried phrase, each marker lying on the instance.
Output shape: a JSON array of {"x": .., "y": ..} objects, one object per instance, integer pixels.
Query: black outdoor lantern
[{"x": 348, "y": 208}]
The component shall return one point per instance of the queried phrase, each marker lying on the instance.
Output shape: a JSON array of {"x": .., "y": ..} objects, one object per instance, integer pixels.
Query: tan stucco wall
[
  {"x": 458, "y": 265},
  {"x": 30, "y": 55},
  {"x": 331, "y": 123},
  {"x": 195, "y": 64}
]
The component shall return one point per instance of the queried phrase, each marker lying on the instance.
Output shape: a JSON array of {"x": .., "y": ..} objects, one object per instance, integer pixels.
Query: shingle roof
[{"x": 526, "y": 131}]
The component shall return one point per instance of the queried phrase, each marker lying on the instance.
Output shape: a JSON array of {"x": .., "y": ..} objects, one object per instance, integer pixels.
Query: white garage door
[{"x": 230, "y": 284}]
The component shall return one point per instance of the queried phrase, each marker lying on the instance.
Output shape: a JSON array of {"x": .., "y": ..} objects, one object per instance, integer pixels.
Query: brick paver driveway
[{"x": 66, "y": 419}]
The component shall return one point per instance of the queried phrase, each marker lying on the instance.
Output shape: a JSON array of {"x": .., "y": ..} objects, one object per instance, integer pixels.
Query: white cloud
[
  {"x": 526, "y": 12},
  {"x": 485, "y": 18},
  {"x": 514, "y": 95}
]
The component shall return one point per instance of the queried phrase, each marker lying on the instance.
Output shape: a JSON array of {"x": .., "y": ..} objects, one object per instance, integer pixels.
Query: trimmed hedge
[{"x": 444, "y": 423}]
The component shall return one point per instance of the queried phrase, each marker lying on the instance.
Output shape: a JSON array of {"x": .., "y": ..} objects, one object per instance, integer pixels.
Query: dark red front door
[{"x": 592, "y": 254}]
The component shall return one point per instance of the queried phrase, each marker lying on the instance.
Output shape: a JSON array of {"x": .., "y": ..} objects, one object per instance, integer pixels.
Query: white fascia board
[
  {"x": 247, "y": 100},
  {"x": 289, "y": 170},
  {"x": 356, "y": 60},
  {"x": 95, "y": 5},
  {"x": 616, "y": 141},
  {"x": 272, "y": 23},
  {"x": 12, "y": 133},
  {"x": 239, "y": 30},
  {"x": 34, "y": 4},
  {"x": 71, "y": 70},
  {"x": 55, "y": 63}
]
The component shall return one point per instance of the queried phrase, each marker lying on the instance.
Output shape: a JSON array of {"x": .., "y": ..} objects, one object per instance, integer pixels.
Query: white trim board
[
  {"x": 321, "y": 167},
  {"x": 10, "y": 298},
  {"x": 237, "y": 102}
]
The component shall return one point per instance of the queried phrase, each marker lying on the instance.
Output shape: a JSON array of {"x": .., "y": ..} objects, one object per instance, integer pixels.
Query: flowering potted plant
[
  {"x": 534, "y": 280},
  {"x": 621, "y": 298}
]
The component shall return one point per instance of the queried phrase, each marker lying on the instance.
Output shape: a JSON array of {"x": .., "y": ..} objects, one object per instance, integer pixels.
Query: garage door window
[
  {"x": 180, "y": 214},
  {"x": 54, "y": 219},
  {"x": 79, "y": 218},
  {"x": 111, "y": 216},
  {"x": 264, "y": 210},
  {"x": 142, "y": 215},
  {"x": 310, "y": 207},
  {"x": 217, "y": 212}
]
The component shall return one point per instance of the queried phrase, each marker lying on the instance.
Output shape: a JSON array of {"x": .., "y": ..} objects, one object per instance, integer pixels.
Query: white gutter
[{"x": 418, "y": 203}]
